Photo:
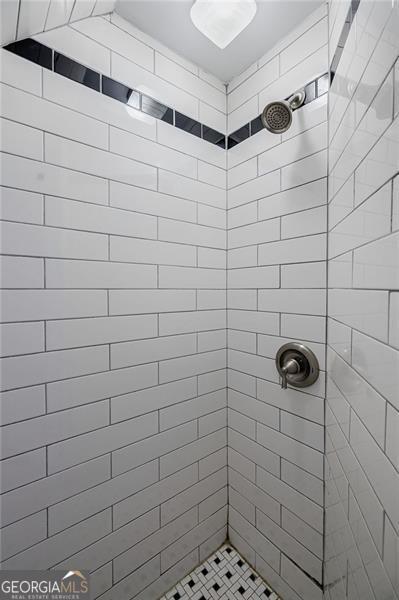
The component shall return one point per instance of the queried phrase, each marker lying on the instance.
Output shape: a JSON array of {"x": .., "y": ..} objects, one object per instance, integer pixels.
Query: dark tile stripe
[{"x": 54, "y": 61}]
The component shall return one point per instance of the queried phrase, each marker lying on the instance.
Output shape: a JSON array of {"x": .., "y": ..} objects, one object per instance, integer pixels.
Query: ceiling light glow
[{"x": 222, "y": 20}]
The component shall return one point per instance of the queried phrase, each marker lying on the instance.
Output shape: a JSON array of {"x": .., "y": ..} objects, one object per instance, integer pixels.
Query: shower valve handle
[
  {"x": 291, "y": 366},
  {"x": 297, "y": 365}
]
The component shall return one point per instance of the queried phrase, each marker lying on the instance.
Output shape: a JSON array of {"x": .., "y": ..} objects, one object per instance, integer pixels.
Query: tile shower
[{"x": 158, "y": 247}]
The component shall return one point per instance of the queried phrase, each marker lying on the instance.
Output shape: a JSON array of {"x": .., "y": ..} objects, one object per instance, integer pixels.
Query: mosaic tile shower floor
[{"x": 224, "y": 575}]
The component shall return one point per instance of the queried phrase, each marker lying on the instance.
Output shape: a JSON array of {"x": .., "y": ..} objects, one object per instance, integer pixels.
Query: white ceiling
[{"x": 168, "y": 21}]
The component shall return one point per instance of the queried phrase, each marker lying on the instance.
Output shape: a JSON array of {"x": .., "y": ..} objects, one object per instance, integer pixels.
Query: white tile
[
  {"x": 118, "y": 41},
  {"x": 368, "y": 222},
  {"x": 242, "y": 215},
  {"x": 378, "y": 364},
  {"x": 49, "y": 179},
  {"x": 212, "y": 117},
  {"x": 203, "y": 320},
  {"x": 302, "y": 481},
  {"x": 77, "y": 46},
  {"x": 302, "y": 430},
  {"x": 308, "y": 222},
  {"x": 21, "y": 140},
  {"x": 293, "y": 250},
  {"x": 252, "y": 146},
  {"x": 134, "y": 353},
  {"x": 132, "y": 404},
  {"x": 52, "y": 117},
  {"x": 34, "y": 305},
  {"x": 308, "y": 43},
  {"x": 309, "y": 275},
  {"x": 98, "y": 162},
  {"x": 258, "y": 366},
  {"x": 18, "y": 205},
  {"x": 211, "y": 174},
  {"x": 246, "y": 256},
  {"x": 308, "y": 169},
  {"x": 90, "y": 388},
  {"x": 31, "y": 434},
  {"x": 257, "y": 322},
  {"x": 242, "y": 115},
  {"x": 9, "y": 18},
  {"x": 31, "y": 20},
  {"x": 197, "y": 191},
  {"x": 263, "y": 231},
  {"x": 167, "y": 69},
  {"x": 377, "y": 264},
  {"x": 253, "y": 277},
  {"x": 380, "y": 164},
  {"x": 254, "y": 84},
  {"x": 89, "y": 217},
  {"x": 20, "y": 73},
  {"x": 303, "y": 456},
  {"x": 189, "y": 233},
  {"x": 24, "y": 533},
  {"x": 190, "y": 453},
  {"x": 150, "y": 301},
  {"x": 292, "y": 400},
  {"x": 392, "y": 447},
  {"x": 243, "y": 172},
  {"x": 190, "y": 144},
  {"x": 55, "y": 549},
  {"x": 102, "y": 330},
  {"x": 305, "y": 559},
  {"x": 297, "y": 580},
  {"x": 50, "y": 366},
  {"x": 35, "y": 240},
  {"x": 23, "y": 404},
  {"x": 364, "y": 310},
  {"x": 21, "y": 338},
  {"x": 147, "y": 151},
  {"x": 214, "y": 217},
  {"x": 193, "y": 365},
  {"x": 139, "y": 79},
  {"x": 311, "y": 141},
  {"x": 394, "y": 320},
  {"x": 125, "y": 249},
  {"x": 256, "y": 188},
  {"x": 309, "y": 116},
  {"x": 151, "y": 202},
  {"x": 311, "y": 302},
  {"x": 106, "y": 439},
  {"x": 99, "y": 274},
  {"x": 380, "y": 472},
  {"x": 303, "y": 327},
  {"x": 185, "y": 277},
  {"x": 300, "y": 198}
]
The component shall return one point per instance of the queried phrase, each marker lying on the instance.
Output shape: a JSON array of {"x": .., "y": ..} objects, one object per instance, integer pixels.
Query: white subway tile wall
[
  {"x": 113, "y": 318},
  {"x": 361, "y": 462},
  {"x": 149, "y": 279},
  {"x": 276, "y": 257}
]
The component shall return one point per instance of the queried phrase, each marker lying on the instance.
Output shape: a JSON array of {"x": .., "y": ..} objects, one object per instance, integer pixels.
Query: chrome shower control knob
[{"x": 297, "y": 365}]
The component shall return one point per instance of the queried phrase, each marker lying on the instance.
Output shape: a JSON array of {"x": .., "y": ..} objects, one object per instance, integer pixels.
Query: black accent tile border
[
  {"x": 314, "y": 89},
  {"x": 343, "y": 37},
  {"x": 54, "y": 61}
]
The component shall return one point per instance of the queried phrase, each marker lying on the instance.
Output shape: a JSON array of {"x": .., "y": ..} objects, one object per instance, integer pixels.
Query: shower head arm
[{"x": 296, "y": 100}]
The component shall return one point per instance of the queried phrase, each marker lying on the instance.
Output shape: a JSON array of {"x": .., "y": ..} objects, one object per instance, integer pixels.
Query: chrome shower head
[{"x": 277, "y": 116}]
